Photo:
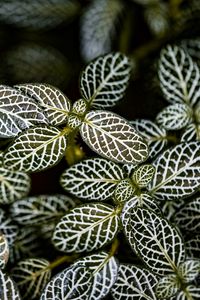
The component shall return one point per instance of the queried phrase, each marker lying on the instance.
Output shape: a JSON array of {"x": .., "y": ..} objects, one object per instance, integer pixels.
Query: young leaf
[
  {"x": 159, "y": 243},
  {"x": 189, "y": 270},
  {"x": 31, "y": 276},
  {"x": 190, "y": 292},
  {"x": 4, "y": 251},
  {"x": 86, "y": 228},
  {"x": 167, "y": 287},
  {"x": 124, "y": 191},
  {"x": 8, "y": 228},
  {"x": 177, "y": 172},
  {"x": 104, "y": 81},
  {"x": 36, "y": 149},
  {"x": 112, "y": 137},
  {"x": 134, "y": 283},
  {"x": 191, "y": 133},
  {"x": 143, "y": 175},
  {"x": 17, "y": 112},
  {"x": 8, "y": 288},
  {"x": 53, "y": 102},
  {"x": 92, "y": 179}
]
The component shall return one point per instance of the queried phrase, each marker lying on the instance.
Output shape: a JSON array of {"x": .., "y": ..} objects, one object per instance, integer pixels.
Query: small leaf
[
  {"x": 104, "y": 81},
  {"x": 36, "y": 149},
  {"x": 191, "y": 292},
  {"x": 4, "y": 251},
  {"x": 124, "y": 191},
  {"x": 112, "y": 137},
  {"x": 92, "y": 179},
  {"x": 177, "y": 172},
  {"x": 8, "y": 288},
  {"x": 189, "y": 270},
  {"x": 134, "y": 283},
  {"x": 167, "y": 287},
  {"x": 86, "y": 228},
  {"x": 53, "y": 102},
  {"x": 191, "y": 133},
  {"x": 143, "y": 175}
]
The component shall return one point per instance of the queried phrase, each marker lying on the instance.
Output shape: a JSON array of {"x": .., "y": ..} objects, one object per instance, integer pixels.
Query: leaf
[
  {"x": 8, "y": 228},
  {"x": 175, "y": 116},
  {"x": 53, "y": 102},
  {"x": 124, "y": 191},
  {"x": 112, "y": 137},
  {"x": 36, "y": 149},
  {"x": 192, "y": 47},
  {"x": 73, "y": 283},
  {"x": 104, "y": 268},
  {"x": 143, "y": 175},
  {"x": 134, "y": 283},
  {"x": 159, "y": 243},
  {"x": 4, "y": 251},
  {"x": 104, "y": 81},
  {"x": 17, "y": 112},
  {"x": 189, "y": 270},
  {"x": 8, "y": 288},
  {"x": 92, "y": 179},
  {"x": 167, "y": 287},
  {"x": 31, "y": 276},
  {"x": 179, "y": 76},
  {"x": 177, "y": 172},
  {"x": 191, "y": 292},
  {"x": 170, "y": 208},
  {"x": 191, "y": 133},
  {"x": 192, "y": 246},
  {"x": 86, "y": 228},
  {"x": 41, "y": 209}
]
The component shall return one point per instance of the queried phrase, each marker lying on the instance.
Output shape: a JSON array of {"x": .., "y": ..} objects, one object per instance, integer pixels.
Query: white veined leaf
[
  {"x": 188, "y": 217},
  {"x": 92, "y": 179},
  {"x": 192, "y": 246},
  {"x": 189, "y": 270},
  {"x": 155, "y": 136},
  {"x": 98, "y": 24},
  {"x": 41, "y": 209},
  {"x": 179, "y": 76},
  {"x": 167, "y": 287},
  {"x": 104, "y": 81},
  {"x": 104, "y": 268},
  {"x": 143, "y": 175},
  {"x": 159, "y": 243},
  {"x": 177, "y": 172},
  {"x": 128, "y": 169},
  {"x": 175, "y": 116},
  {"x": 112, "y": 137},
  {"x": 53, "y": 102},
  {"x": 73, "y": 283},
  {"x": 86, "y": 228},
  {"x": 8, "y": 228},
  {"x": 4, "y": 251},
  {"x": 190, "y": 292},
  {"x": 134, "y": 283},
  {"x": 170, "y": 208},
  {"x": 31, "y": 276},
  {"x": 191, "y": 133},
  {"x": 17, "y": 112},
  {"x": 124, "y": 191},
  {"x": 192, "y": 46},
  {"x": 8, "y": 288},
  {"x": 36, "y": 149}
]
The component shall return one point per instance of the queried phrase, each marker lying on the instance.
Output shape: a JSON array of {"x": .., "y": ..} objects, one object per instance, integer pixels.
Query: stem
[
  {"x": 61, "y": 260},
  {"x": 114, "y": 247}
]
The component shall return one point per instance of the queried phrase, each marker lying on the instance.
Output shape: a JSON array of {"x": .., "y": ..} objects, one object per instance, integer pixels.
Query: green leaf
[
  {"x": 177, "y": 172},
  {"x": 8, "y": 228},
  {"x": 17, "y": 112},
  {"x": 124, "y": 191},
  {"x": 192, "y": 246},
  {"x": 104, "y": 81},
  {"x": 179, "y": 76},
  {"x": 190, "y": 292},
  {"x": 143, "y": 175},
  {"x": 159, "y": 243},
  {"x": 170, "y": 208},
  {"x": 53, "y": 102},
  {"x": 134, "y": 283},
  {"x": 191, "y": 133},
  {"x": 4, "y": 251},
  {"x": 167, "y": 287},
  {"x": 36, "y": 149},
  {"x": 31, "y": 276},
  {"x": 189, "y": 270},
  {"x": 92, "y": 179},
  {"x": 112, "y": 137},
  {"x": 86, "y": 228},
  {"x": 73, "y": 283},
  {"x": 8, "y": 289}
]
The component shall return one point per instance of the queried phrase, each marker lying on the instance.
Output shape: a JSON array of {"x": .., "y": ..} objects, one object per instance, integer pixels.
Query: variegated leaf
[
  {"x": 92, "y": 179},
  {"x": 8, "y": 228},
  {"x": 159, "y": 243},
  {"x": 36, "y": 149},
  {"x": 112, "y": 137},
  {"x": 177, "y": 172},
  {"x": 170, "y": 208},
  {"x": 124, "y": 191},
  {"x": 175, "y": 116},
  {"x": 179, "y": 76},
  {"x": 86, "y": 228},
  {"x": 189, "y": 270},
  {"x": 134, "y": 283},
  {"x": 17, "y": 112},
  {"x": 143, "y": 175},
  {"x": 104, "y": 268},
  {"x": 192, "y": 46},
  {"x": 191, "y": 133},
  {"x": 73, "y": 283},
  {"x": 8, "y": 288},
  {"x": 167, "y": 287},
  {"x": 104, "y": 81},
  {"x": 4, "y": 251},
  {"x": 190, "y": 292},
  {"x": 53, "y": 102},
  {"x": 41, "y": 209},
  {"x": 192, "y": 246},
  {"x": 31, "y": 276}
]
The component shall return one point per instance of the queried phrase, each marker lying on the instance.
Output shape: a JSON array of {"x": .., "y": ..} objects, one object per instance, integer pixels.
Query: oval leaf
[
  {"x": 189, "y": 270},
  {"x": 191, "y": 292},
  {"x": 8, "y": 288},
  {"x": 124, "y": 191},
  {"x": 143, "y": 175},
  {"x": 4, "y": 251},
  {"x": 167, "y": 287}
]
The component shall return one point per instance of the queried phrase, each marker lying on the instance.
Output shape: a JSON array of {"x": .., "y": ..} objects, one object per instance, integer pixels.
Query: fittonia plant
[{"x": 140, "y": 187}]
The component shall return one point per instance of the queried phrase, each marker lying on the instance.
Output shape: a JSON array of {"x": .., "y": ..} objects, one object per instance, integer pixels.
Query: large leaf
[
  {"x": 167, "y": 287},
  {"x": 86, "y": 228},
  {"x": 105, "y": 80},
  {"x": 189, "y": 270},
  {"x": 179, "y": 76},
  {"x": 92, "y": 179},
  {"x": 4, "y": 251},
  {"x": 8, "y": 288},
  {"x": 36, "y": 149},
  {"x": 53, "y": 102},
  {"x": 8, "y": 228},
  {"x": 112, "y": 137},
  {"x": 134, "y": 283},
  {"x": 159, "y": 243},
  {"x": 17, "y": 112},
  {"x": 177, "y": 172}
]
